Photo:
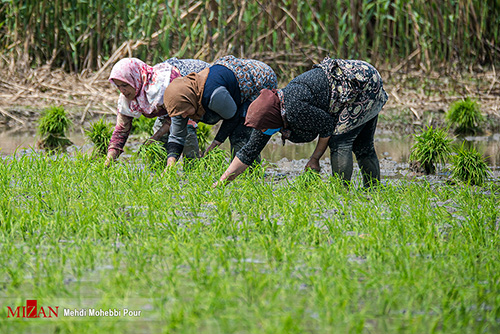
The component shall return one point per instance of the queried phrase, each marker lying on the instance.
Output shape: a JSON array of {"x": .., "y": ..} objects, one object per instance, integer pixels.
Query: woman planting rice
[
  {"x": 338, "y": 100},
  {"x": 142, "y": 89},
  {"x": 223, "y": 91}
]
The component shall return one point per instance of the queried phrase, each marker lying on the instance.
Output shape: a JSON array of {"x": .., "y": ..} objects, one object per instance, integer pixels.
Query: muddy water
[{"x": 389, "y": 147}]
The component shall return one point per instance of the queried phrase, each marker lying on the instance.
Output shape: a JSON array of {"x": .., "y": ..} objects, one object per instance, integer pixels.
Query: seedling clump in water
[
  {"x": 431, "y": 146},
  {"x": 469, "y": 166},
  {"x": 52, "y": 128},
  {"x": 466, "y": 116}
]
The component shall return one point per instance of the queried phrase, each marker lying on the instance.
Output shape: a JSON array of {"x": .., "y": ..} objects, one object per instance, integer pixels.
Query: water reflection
[{"x": 395, "y": 147}]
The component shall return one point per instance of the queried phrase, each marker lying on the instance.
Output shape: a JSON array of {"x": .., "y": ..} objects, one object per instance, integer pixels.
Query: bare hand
[
  {"x": 170, "y": 163},
  {"x": 213, "y": 145},
  {"x": 149, "y": 141},
  {"x": 220, "y": 183},
  {"x": 111, "y": 157},
  {"x": 313, "y": 165}
]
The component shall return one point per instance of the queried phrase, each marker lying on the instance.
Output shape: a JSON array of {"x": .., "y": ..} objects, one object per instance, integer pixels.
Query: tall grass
[{"x": 83, "y": 34}]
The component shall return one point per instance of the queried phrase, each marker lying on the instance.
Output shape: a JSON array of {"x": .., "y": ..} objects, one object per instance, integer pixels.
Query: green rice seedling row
[{"x": 259, "y": 255}]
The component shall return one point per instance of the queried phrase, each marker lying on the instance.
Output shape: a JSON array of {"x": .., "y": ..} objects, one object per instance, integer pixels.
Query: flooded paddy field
[
  {"x": 289, "y": 160},
  {"x": 276, "y": 251}
]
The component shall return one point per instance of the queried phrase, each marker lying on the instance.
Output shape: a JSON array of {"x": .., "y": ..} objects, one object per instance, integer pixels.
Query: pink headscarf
[{"x": 149, "y": 84}]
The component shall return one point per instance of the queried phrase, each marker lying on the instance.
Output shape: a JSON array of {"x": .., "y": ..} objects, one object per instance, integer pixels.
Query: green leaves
[
  {"x": 53, "y": 121},
  {"x": 143, "y": 125},
  {"x": 52, "y": 128},
  {"x": 154, "y": 155},
  {"x": 257, "y": 256},
  {"x": 203, "y": 134}
]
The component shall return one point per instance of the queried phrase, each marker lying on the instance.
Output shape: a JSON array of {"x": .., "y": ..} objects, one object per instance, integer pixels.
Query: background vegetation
[{"x": 80, "y": 35}]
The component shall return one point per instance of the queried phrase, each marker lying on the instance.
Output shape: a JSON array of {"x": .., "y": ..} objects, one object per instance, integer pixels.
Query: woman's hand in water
[
  {"x": 213, "y": 145},
  {"x": 313, "y": 164}
]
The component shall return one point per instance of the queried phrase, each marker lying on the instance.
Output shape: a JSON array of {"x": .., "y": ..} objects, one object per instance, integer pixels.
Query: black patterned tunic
[
  {"x": 252, "y": 75},
  {"x": 334, "y": 97}
]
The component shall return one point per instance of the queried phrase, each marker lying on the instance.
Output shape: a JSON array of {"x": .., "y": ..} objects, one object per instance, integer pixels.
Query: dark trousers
[
  {"x": 239, "y": 135},
  {"x": 360, "y": 142}
]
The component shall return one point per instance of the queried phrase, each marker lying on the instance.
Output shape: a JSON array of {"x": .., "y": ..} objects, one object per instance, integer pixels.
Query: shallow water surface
[
  {"x": 395, "y": 148},
  {"x": 392, "y": 147}
]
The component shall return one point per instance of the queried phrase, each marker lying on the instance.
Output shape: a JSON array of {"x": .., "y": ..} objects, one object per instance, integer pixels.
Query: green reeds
[
  {"x": 80, "y": 35},
  {"x": 465, "y": 115},
  {"x": 99, "y": 134},
  {"x": 431, "y": 146},
  {"x": 52, "y": 128}
]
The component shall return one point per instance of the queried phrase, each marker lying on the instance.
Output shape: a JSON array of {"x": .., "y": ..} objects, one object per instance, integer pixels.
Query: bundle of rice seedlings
[
  {"x": 431, "y": 146},
  {"x": 469, "y": 166},
  {"x": 52, "y": 128},
  {"x": 203, "y": 134},
  {"x": 154, "y": 156},
  {"x": 99, "y": 134},
  {"x": 466, "y": 116}
]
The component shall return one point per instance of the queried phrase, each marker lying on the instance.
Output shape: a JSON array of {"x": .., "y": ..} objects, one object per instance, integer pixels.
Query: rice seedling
[
  {"x": 154, "y": 155},
  {"x": 214, "y": 162},
  {"x": 252, "y": 257},
  {"x": 469, "y": 166},
  {"x": 431, "y": 146},
  {"x": 465, "y": 116},
  {"x": 203, "y": 134},
  {"x": 143, "y": 125},
  {"x": 99, "y": 134},
  {"x": 52, "y": 128}
]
